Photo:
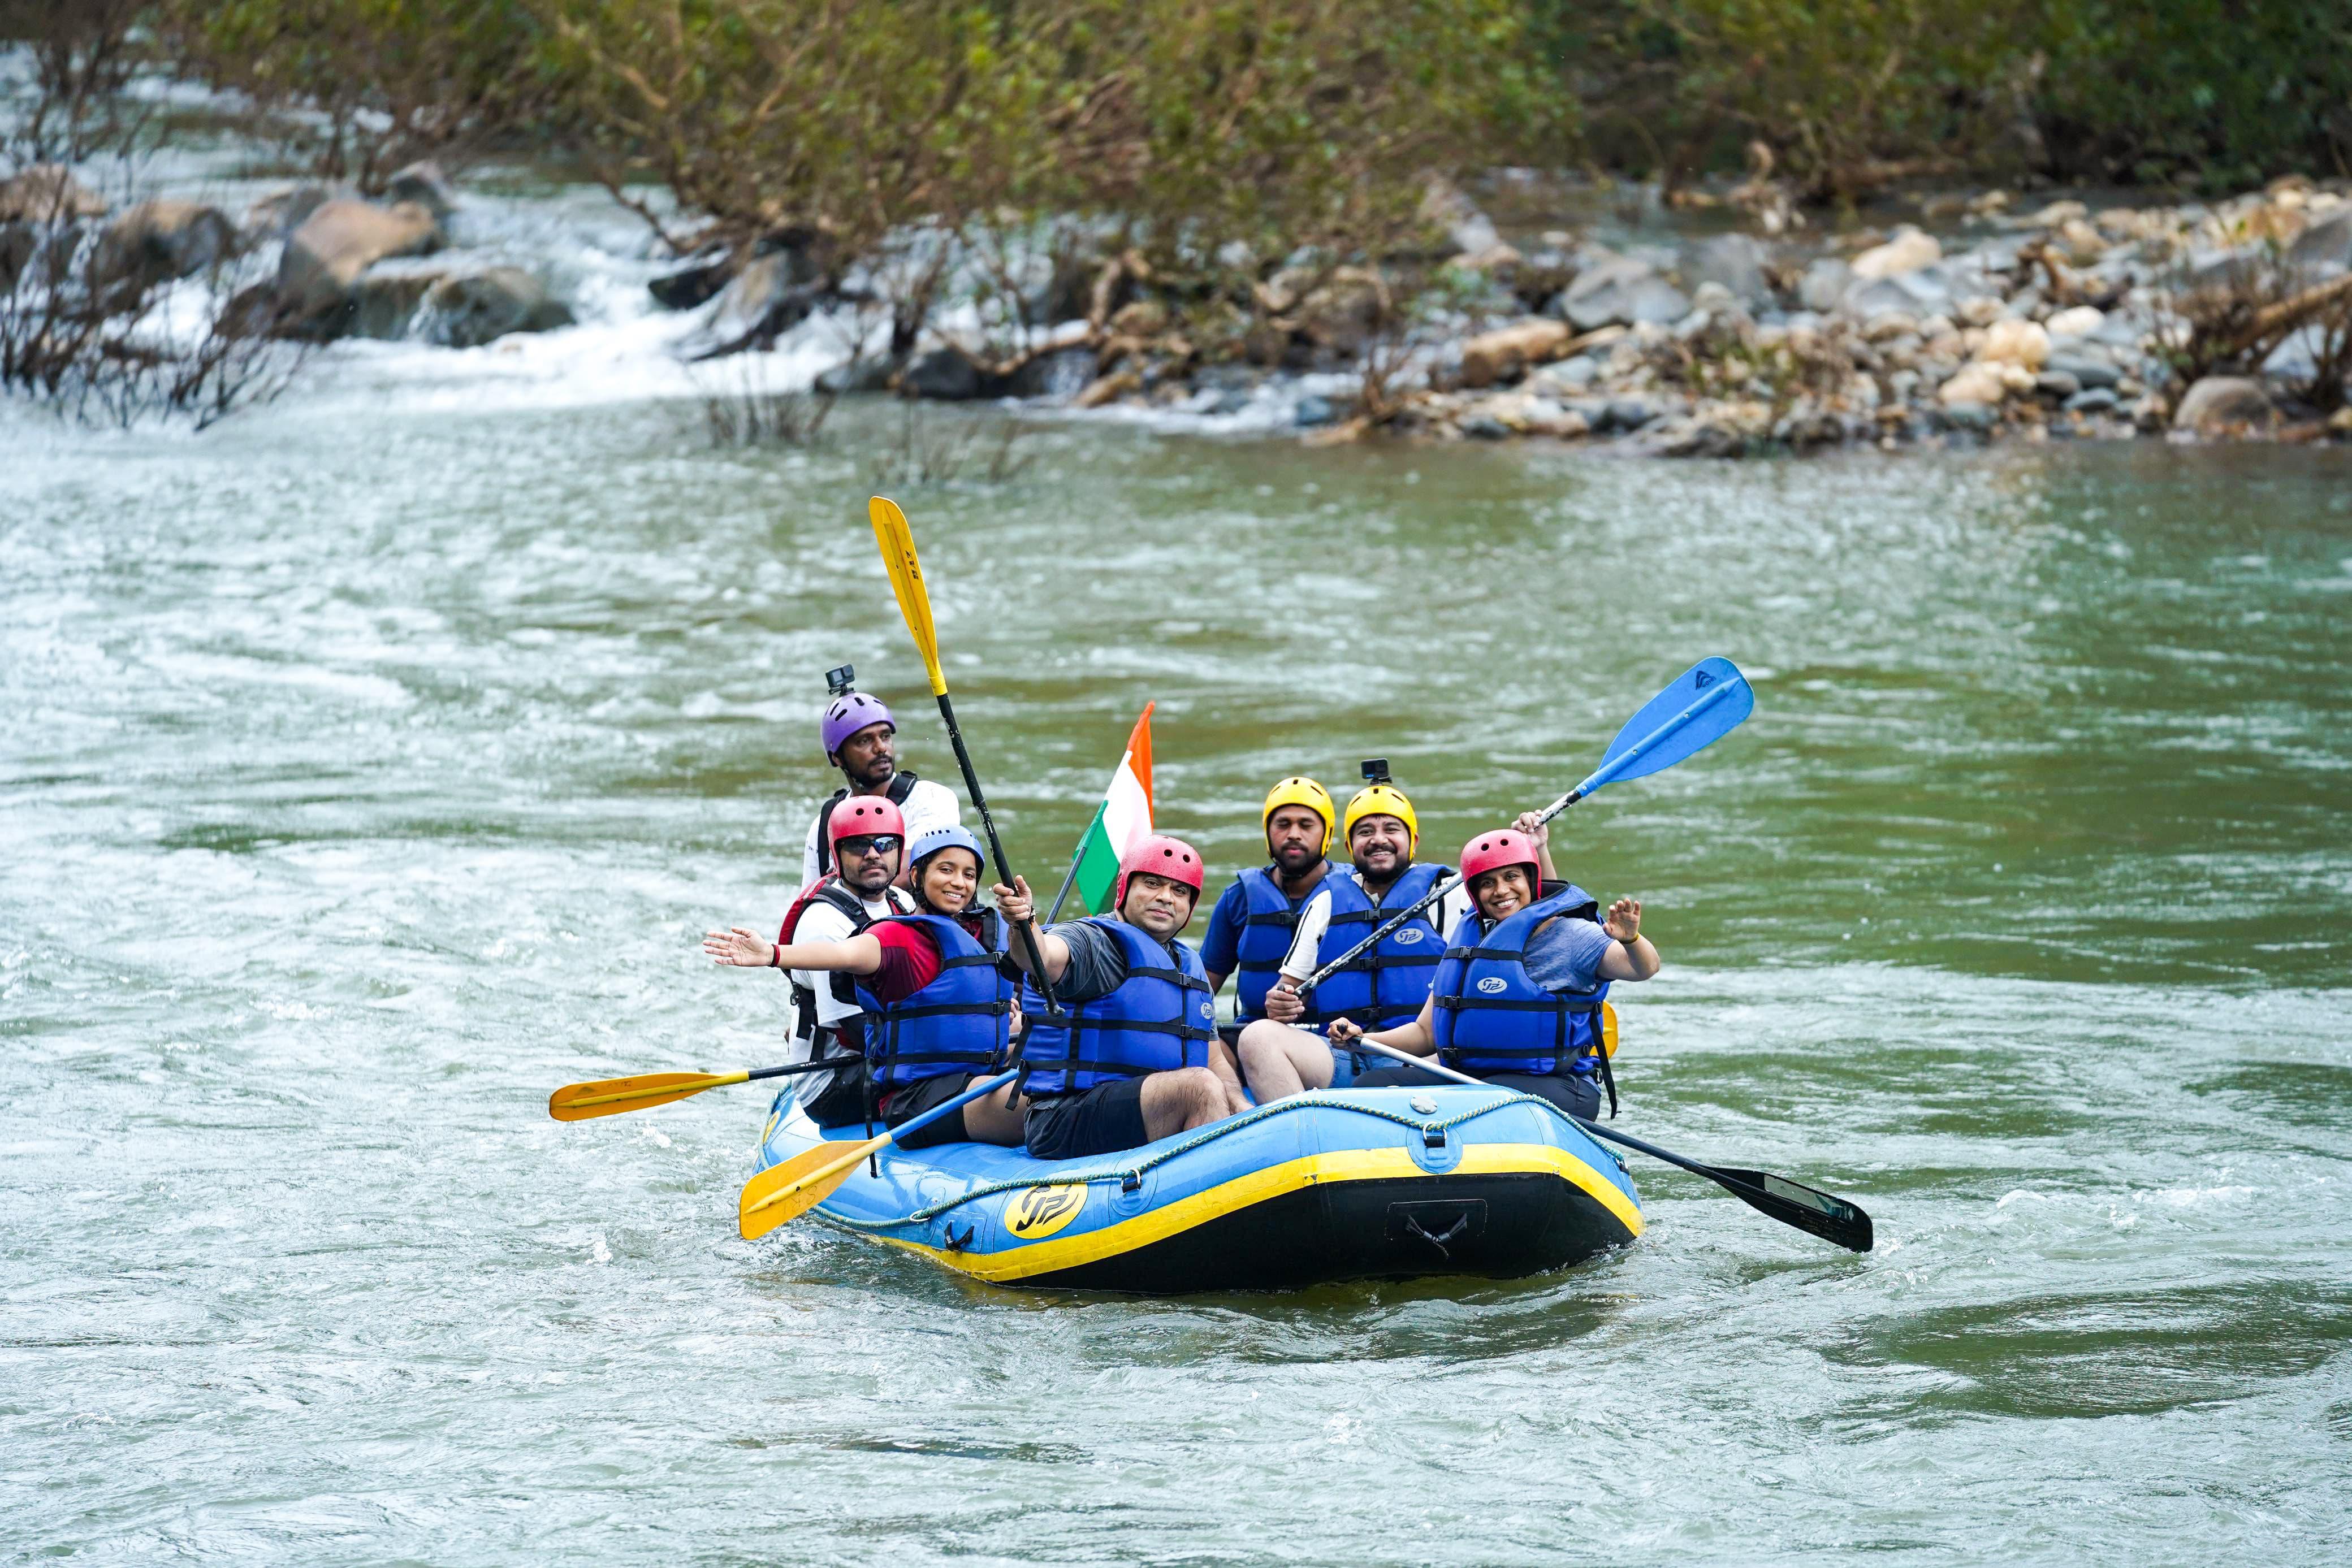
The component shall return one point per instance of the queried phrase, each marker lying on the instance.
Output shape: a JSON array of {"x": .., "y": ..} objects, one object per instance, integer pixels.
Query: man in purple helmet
[{"x": 861, "y": 739}]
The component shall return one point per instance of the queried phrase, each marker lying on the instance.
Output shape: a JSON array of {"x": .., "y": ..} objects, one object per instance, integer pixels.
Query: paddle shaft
[
  {"x": 1026, "y": 931},
  {"x": 1612, "y": 768},
  {"x": 1755, "y": 1197},
  {"x": 718, "y": 1080},
  {"x": 857, "y": 1151}
]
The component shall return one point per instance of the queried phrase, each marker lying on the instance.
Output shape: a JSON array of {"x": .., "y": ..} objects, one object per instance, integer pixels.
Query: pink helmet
[
  {"x": 847, "y": 713},
  {"x": 861, "y": 815},
  {"x": 1491, "y": 851},
  {"x": 1161, "y": 856}
]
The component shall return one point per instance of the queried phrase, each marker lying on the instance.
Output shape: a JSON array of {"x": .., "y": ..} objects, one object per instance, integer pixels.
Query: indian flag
[{"x": 1124, "y": 817}]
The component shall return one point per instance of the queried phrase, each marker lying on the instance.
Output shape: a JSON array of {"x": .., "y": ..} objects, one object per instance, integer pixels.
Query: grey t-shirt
[
  {"x": 1565, "y": 955},
  {"x": 1097, "y": 963}
]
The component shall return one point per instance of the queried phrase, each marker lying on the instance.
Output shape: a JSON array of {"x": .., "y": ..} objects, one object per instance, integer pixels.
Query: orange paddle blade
[
  {"x": 611, "y": 1096},
  {"x": 787, "y": 1191}
]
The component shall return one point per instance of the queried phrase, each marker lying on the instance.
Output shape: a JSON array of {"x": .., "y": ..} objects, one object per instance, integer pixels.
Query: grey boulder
[
  {"x": 1736, "y": 262},
  {"x": 1621, "y": 291},
  {"x": 480, "y": 307},
  {"x": 2221, "y": 403}
]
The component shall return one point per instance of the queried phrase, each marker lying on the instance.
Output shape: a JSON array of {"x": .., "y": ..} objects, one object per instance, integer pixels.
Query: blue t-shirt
[
  {"x": 1565, "y": 955},
  {"x": 1221, "y": 949}
]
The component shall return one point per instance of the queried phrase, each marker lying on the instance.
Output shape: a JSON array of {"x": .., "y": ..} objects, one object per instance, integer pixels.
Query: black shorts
[
  {"x": 1099, "y": 1120},
  {"x": 903, "y": 1105},
  {"x": 844, "y": 1099},
  {"x": 1576, "y": 1094}
]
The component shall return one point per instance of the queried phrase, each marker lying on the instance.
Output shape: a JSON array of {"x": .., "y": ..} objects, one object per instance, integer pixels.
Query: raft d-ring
[
  {"x": 1130, "y": 1181},
  {"x": 1432, "y": 1136}
]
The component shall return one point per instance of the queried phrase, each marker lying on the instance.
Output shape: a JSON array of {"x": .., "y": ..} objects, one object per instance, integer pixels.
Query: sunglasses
[{"x": 863, "y": 844}]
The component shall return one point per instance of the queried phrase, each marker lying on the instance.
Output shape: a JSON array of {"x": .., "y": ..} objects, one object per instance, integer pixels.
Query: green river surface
[{"x": 371, "y": 765}]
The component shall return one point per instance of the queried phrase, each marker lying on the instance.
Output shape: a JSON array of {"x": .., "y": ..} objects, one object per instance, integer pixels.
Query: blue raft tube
[{"x": 1359, "y": 1183}]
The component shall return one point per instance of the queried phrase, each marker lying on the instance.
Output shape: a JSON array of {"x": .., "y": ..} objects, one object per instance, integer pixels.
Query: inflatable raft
[{"x": 1353, "y": 1185}]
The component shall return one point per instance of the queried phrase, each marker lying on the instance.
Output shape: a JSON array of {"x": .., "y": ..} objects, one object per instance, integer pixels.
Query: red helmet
[
  {"x": 861, "y": 815},
  {"x": 1491, "y": 851},
  {"x": 1161, "y": 856}
]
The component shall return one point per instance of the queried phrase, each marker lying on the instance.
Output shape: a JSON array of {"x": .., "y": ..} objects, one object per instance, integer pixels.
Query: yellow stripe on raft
[{"x": 1257, "y": 1187}]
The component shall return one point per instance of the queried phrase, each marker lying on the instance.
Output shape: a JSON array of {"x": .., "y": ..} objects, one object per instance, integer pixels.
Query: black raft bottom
[{"x": 1499, "y": 1226}]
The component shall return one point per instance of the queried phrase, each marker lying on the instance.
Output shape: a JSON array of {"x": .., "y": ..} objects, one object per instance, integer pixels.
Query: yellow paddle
[
  {"x": 898, "y": 542},
  {"x": 611, "y": 1096},
  {"x": 786, "y": 1191}
]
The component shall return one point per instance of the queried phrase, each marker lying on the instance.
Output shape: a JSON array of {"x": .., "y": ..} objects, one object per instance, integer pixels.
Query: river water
[{"x": 371, "y": 765}]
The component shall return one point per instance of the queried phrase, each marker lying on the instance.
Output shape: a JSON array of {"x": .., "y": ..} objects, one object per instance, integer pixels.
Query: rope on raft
[{"x": 1206, "y": 1135}]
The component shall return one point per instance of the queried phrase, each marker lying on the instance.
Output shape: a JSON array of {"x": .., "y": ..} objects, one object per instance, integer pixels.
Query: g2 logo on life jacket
[
  {"x": 1408, "y": 937},
  {"x": 1492, "y": 984},
  {"x": 1042, "y": 1210}
]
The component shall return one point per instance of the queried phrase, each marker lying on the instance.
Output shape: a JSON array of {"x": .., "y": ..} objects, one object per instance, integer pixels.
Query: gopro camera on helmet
[
  {"x": 1376, "y": 770},
  {"x": 840, "y": 681}
]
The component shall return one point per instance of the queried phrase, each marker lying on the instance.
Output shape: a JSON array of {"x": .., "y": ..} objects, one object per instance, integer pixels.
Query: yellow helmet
[
  {"x": 1301, "y": 791},
  {"x": 1383, "y": 798}
]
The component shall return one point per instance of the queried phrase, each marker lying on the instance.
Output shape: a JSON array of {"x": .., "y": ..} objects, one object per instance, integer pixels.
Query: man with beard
[
  {"x": 1285, "y": 1051},
  {"x": 1250, "y": 928},
  {"x": 861, "y": 739}
]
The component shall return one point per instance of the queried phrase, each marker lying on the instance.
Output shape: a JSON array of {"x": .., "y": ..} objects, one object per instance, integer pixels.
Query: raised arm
[
  {"x": 739, "y": 949},
  {"x": 1631, "y": 956},
  {"x": 1539, "y": 834},
  {"x": 1016, "y": 905}
]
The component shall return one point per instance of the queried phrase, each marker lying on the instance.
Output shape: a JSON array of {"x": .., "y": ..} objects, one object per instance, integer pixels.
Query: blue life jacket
[
  {"x": 1491, "y": 1015},
  {"x": 1386, "y": 987},
  {"x": 1266, "y": 933},
  {"x": 957, "y": 1023},
  {"x": 1160, "y": 1018}
]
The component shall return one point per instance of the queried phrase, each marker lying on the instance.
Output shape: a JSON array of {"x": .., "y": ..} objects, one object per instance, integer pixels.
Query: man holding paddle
[
  {"x": 861, "y": 738},
  {"x": 1133, "y": 1059}
]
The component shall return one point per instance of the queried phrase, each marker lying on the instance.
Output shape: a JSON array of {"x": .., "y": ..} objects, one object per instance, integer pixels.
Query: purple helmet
[{"x": 847, "y": 713}]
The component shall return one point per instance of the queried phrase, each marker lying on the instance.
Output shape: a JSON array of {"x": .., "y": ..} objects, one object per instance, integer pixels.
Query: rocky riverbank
[{"x": 1977, "y": 322}]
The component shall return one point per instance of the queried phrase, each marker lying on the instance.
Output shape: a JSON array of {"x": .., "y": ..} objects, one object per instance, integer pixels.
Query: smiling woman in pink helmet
[
  {"x": 1133, "y": 1057},
  {"x": 1518, "y": 996}
]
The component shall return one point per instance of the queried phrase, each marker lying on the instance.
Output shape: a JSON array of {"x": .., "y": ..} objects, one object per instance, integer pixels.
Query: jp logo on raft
[{"x": 1042, "y": 1210}]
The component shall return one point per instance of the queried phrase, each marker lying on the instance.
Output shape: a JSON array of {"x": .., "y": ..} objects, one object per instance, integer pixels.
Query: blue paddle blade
[{"x": 1702, "y": 705}]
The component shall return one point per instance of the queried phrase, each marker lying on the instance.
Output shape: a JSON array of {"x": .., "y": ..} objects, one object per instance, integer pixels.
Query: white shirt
[
  {"x": 929, "y": 805},
  {"x": 821, "y": 922},
  {"x": 1315, "y": 919}
]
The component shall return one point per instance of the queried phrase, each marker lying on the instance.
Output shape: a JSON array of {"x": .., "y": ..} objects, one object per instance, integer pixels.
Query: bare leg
[
  {"x": 1221, "y": 1063},
  {"x": 1180, "y": 1100},
  {"x": 1280, "y": 1060},
  {"x": 995, "y": 1118}
]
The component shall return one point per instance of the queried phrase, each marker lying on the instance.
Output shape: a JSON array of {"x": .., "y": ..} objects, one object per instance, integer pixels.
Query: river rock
[
  {"x": 424, "y": 184},
  {"x": 340, "y": 241},
  {"x": 1057, "y": 373},
  {"x": 281, "y": 212},
  {"x": 759, "y": 305},
  {"x": 1467, "y": 231},
  {"x": 2022, "y": 343},
  {"x": 1313, "y": 409},
  {"x": 859, "y": 375},
  {"x": 1567, "y": 377},
  {"x": 2088, "y": 370},
  {"x": 2057, "y": 215},
  {"x": 1624, "y": 291},
  {"x": 1541, "y": 276},
  {"x": 695, "y": 281},
  {"x": 2325, "y": 248},
  {"x": 1825, "y": 283},
  {"x": 2219, "y": 404},
  {"x": 1979, "y": 383},
  {"x": 2092, "y": 400},
  {"x": 384, "y": 299},
  {"x": 480, "y": 307},
  {"x": 2082, "y": 321},
  {"x": 2056, "y": 385},
  {"x": 944, "y": 372},
  {"x": 155, "y": 242},
  {"x": 1908, "y": 251},
  {"x": 1504, "y": 355},
  {"x": 1736, "y": 262},
  {"x": 47, "y": 192}
]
